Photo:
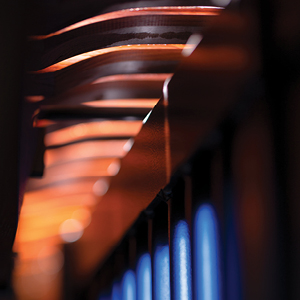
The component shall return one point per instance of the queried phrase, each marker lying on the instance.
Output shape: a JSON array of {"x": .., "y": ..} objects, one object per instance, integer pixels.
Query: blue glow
[
  {"x": 129, "y": 286},
  {"x": 144, "y": 278},
  {"x": 116, "y": 291},
  {"x": 162, "y": 273},
  {"x": 182, "y": 262},
  {"x": 207, "y": 273}
]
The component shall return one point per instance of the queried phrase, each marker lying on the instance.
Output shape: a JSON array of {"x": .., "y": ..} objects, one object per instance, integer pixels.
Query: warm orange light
[
  {"x": 39, "y": 258},
  {"x": 34, "y": 195},
  {"x": 81, "y": 57},
  {"x": 30, "y": 250},
  {"x": 35, "y": 98},
  {"x": 84, "y": 150},
  {"x": 134, "y": 77},
  {"x": 50, "y": 260},
  {"x": 114, "y": 168},
  {"x": 44, "y": 224},
  {"x": 83, "y": 215},
  {"x": 71, "y": 230},
  {"x": 142, "y": 11},
  {"x": 100, "y": 187},
  {"x": 52, "y": 215},
  {"x": 33, "y": 207},
  {"x": 220, "y": 58},
  {"x": 97, "y": 167},
  {"x": 138, "y": 103},
  {"x": 93, "y": 130},
  {"x": 42, "y": 123}
]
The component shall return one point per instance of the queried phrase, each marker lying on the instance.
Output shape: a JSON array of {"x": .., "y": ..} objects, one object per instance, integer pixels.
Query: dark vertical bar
[
  {"x": 281, "y": 71},
  {"x": 143, "y": 263},
  {"x": 201, "y": 191},
  {"x": 232, "y": 279},
  {"x": 101, "y": 284},
  {"x": 128, "y": 282},
  {"x": 121, "y": 263},
  {"x": 69, "y": 274},
  {"x": 176, "y": 213},
  {"x": 132, "y": 249},
  {"x": 201, "y": 178},
  {"x": 38, "y": 165},
  {"x": 180, "y": 243},
  {"x": 293, "y": 175},
  {"x": 252, "y": 229},
  {"x": 11, "y": 72},
  {"x": 205, "y": 223},
  {"x": 160, "y": 253},
  {"x": 142, "y": 239},
  {"x": 188, "y": 200},
  {"x": 108, "y": 279},
  {"x": 150, "y": 234}
]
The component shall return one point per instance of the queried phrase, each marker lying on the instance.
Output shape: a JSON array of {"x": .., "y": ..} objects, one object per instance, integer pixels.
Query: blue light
[
  {"x": 207, "y": 273},
  {"x": 116, "y": 291},
  {"x": 144, "y": 278},
  {"x": 182, "y": 262},
  {"x": 162, "y": 273},
  {"x": 129, "y": 286}
]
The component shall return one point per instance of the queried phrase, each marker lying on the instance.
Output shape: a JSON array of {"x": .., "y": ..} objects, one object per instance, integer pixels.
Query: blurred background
[{"x": 149, "y": 150}]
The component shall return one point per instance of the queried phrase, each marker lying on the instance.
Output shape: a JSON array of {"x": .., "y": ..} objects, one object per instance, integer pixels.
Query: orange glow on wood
[
  {"x": 72, "y": 187},
  {"x": 36, "y": 206},
  {"x": 44, "y": 225},
  {"x": 139, "y": 103},
  {"x": 45, "y": 209},
  {"x": 93, "y": 130},
  {"x": 42, "y": 123},
  {"x": 36, "y": 98},
  {"x": 84, "y": 56},
  {"x": 31, "y": 250},
  {"x": 220, "y": 58},
  {"x": 84, "y": 150},
  {"x": 49, "y": 217},
  {"x": 97, "y": 167},
  {"x": 143, "y": 11},
  {"x": 133, "y": 77}
]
